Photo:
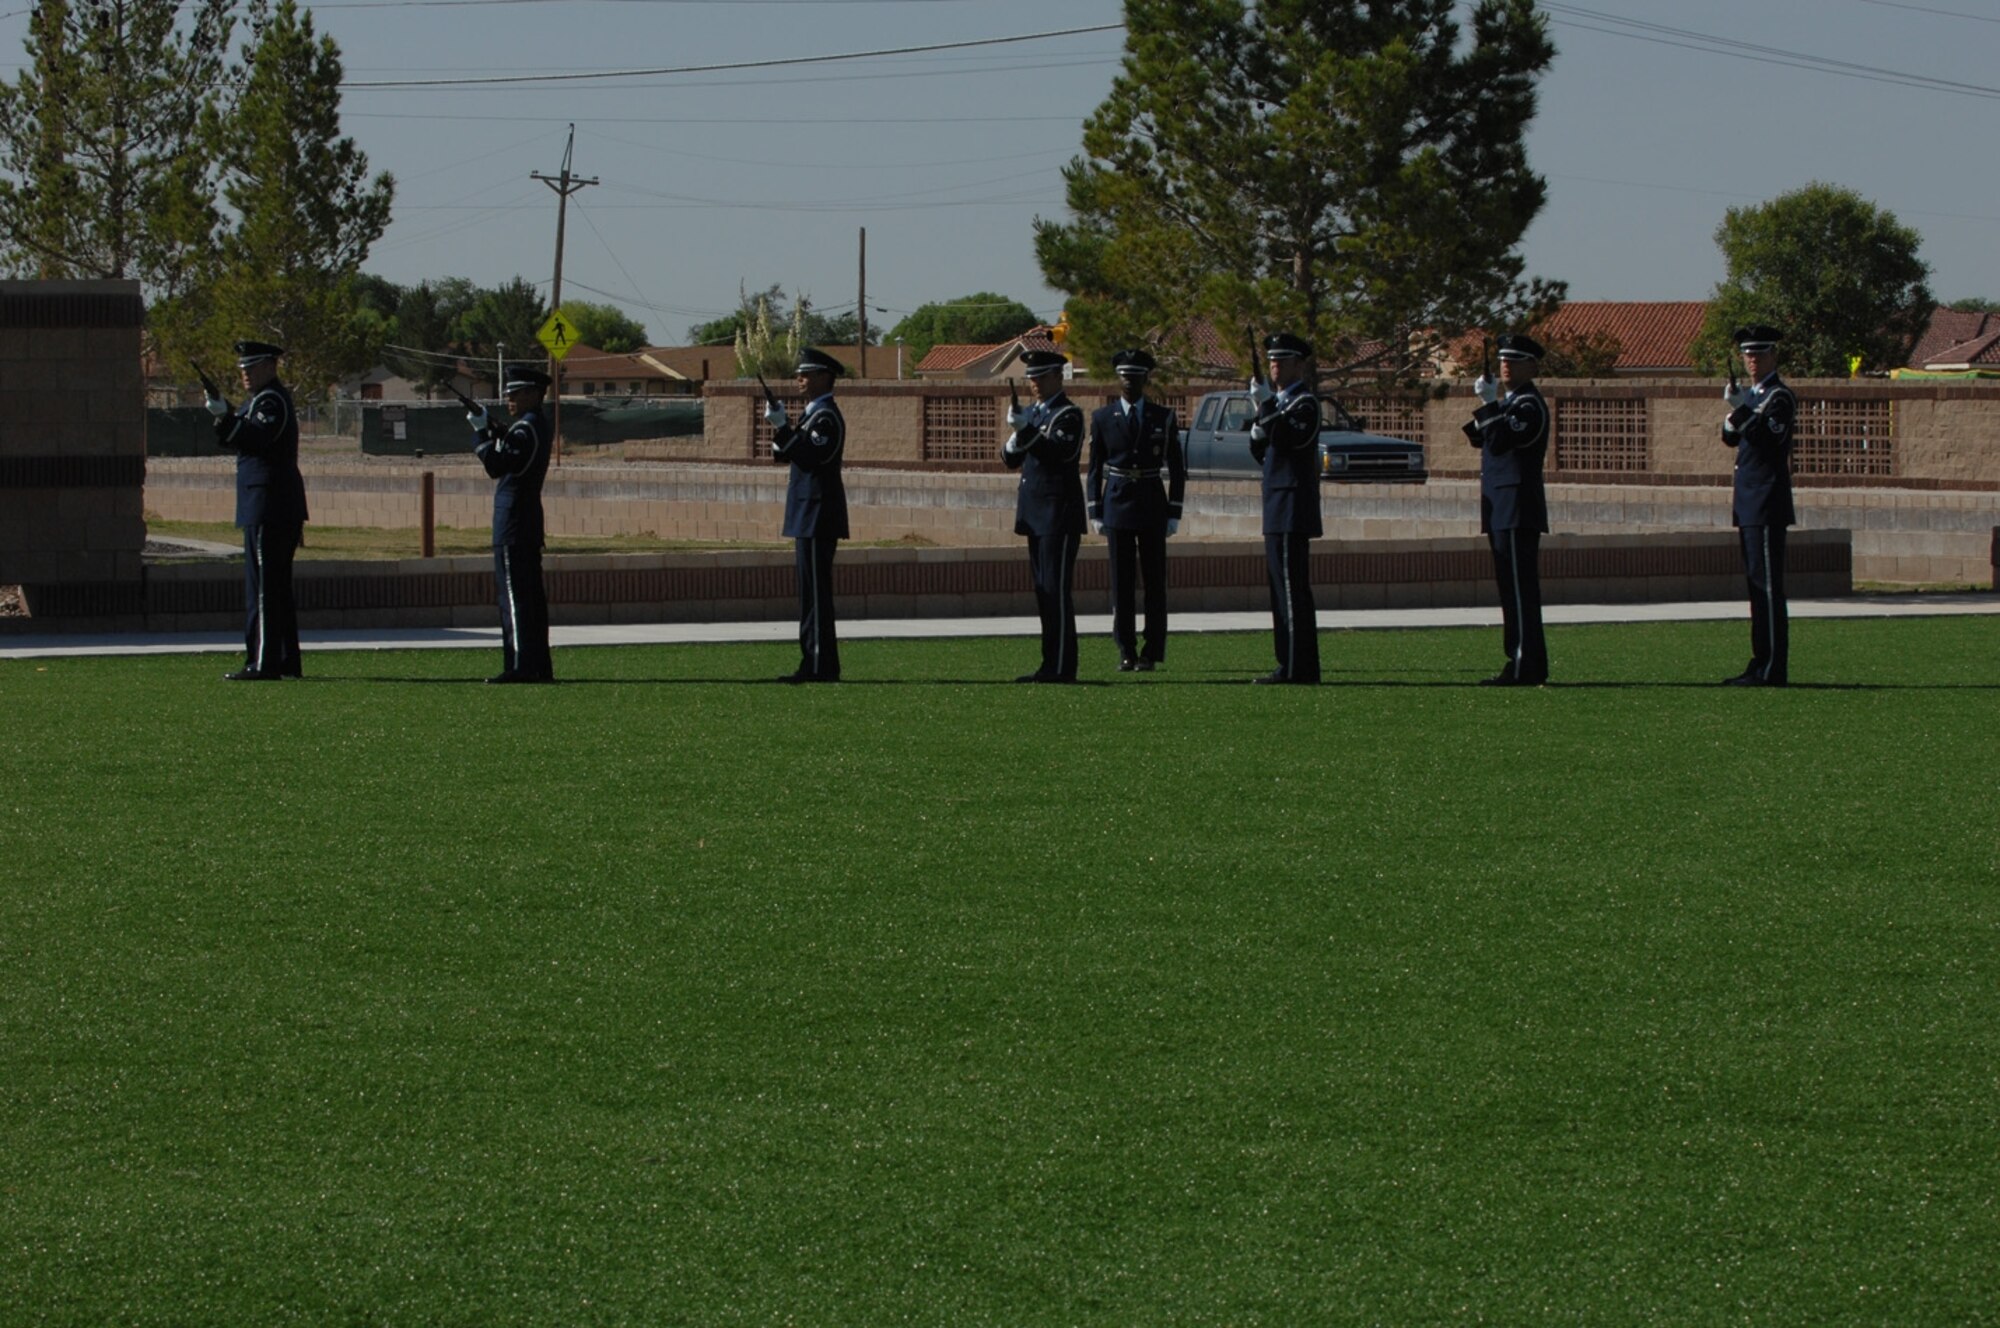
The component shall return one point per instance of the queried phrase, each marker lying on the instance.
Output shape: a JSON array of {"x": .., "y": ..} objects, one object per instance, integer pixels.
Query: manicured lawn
[{"x": 668, "y": 996}]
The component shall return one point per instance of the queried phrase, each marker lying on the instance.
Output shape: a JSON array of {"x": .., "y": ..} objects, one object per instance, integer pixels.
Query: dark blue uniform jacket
[
  {"x": 1138, "y": 478},
  {"x": 1289, "y": 453},
  {"x": 265, "y": 437},
  {"x": 815, "y": 495},
  {"x": 1045, "y": 450},
  {"x": 1761, "y": 431},
  {"x": 518, "y": 457},
  {"x": 1512, "y": 435}
]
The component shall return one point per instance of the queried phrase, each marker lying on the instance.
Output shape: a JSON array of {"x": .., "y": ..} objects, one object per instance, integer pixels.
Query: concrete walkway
[{"x": 488, "y": 638}]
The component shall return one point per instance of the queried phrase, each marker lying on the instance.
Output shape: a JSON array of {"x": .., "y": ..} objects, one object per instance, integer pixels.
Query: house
[
  {"x": 1958, "y": 342},
  {"x": 1000, "y": 362},
  {"x": 590, "y": 372},
  {"x": 696, "y": 365}
]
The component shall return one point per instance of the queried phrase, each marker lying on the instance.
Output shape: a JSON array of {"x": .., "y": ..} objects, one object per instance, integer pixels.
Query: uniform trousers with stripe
[
  {"x": 270, "y": 613},
  {"x": 1517, "y": 560},
  {"x": 1144, "y": 553},
  {"x": 1770, "y": 626},
  {"x": 1294, "y": 617},
  {"x": 819, "y": 637},
  {"x": 1052, "y": 564},
  {"x": 524, "y": 609}
]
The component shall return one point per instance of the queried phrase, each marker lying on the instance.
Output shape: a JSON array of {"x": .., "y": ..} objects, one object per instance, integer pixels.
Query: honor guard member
[
  {"x": 1284, "y": 438},
  {"x": 1045, "y": 445},
  {"x": 1137, "y": 483},
  {"x": 270, "y": 508},
  {"x": 1760, "y": 428},
  {"x": 815, "y": 508},
  {"x": 1511, "y": 431},
  {"x": 518, "y": 457}
]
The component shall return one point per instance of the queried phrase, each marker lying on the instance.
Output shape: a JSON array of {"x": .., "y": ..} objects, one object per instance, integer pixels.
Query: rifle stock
[
  {"x": 1486, "y": 358},
  {"x": 1256, "y": 356},
  {"x": 1730, "y": 356},
  {"x": 770, "y": 397}
]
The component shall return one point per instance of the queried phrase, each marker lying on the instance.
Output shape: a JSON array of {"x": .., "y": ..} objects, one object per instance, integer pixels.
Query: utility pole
[
  {"x": 564, "y": 185},
  {"x": 861, "y": 305}
]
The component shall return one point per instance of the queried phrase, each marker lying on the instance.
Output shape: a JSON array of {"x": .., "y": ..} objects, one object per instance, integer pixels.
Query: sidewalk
[{"x": 488, "y": 638}]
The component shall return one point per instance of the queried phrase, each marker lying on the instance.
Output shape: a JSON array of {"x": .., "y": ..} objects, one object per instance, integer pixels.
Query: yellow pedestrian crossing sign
[{"x": 558, "y": 334}]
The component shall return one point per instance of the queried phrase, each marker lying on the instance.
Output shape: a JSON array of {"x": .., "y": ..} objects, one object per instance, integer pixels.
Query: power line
[
  {"x": 1709, "y": 44},
  {"x": 498, "y": 79},
  {"x": 1926, "y": 9}
]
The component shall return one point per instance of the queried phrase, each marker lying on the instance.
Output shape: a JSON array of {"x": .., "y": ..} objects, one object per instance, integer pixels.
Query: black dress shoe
[
  {"x": 1036, "y": 676},
  {"x": 253, "y": 675},
  {"x": 1128, "y": 665},
  {"x": 1752, "y": 680},
  {"x": 1147, "y": 665},
  {"x": 506, "y": 678},
  {"x": 1272, "y": 678}
]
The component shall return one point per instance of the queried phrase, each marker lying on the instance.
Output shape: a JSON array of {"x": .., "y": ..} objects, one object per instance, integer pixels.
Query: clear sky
[{"x": 1646, "y": 135}]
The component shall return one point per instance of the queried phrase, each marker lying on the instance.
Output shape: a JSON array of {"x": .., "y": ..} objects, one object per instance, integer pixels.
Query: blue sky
[{"x": 707, "y": 180}]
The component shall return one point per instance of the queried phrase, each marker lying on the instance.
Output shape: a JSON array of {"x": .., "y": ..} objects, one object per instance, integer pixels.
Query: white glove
[
  {"x": 1260, "y": 391},
  {"x": 1257, "y": 432},
  {"x": 774, "y": 415},
  {"x": 1488, "y": 390},
  {"x": 1016, "y": 416},
  {"x": 1097, "y": 527},
  {"x": 1173, "y": 525},
  {"x": 476, "y": 417},
  {"x": 218, "y": 407},
  {"x": 1736, "y": 396}
]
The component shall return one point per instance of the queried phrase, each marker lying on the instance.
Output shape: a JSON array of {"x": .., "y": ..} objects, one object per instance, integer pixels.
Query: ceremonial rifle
[
  {"x": 1730, "y": 356},
  {"x": 208, "y": 384}
]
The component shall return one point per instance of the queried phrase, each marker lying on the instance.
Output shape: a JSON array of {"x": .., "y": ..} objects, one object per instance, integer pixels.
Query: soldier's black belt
[{"x": 1128, "y": 473}]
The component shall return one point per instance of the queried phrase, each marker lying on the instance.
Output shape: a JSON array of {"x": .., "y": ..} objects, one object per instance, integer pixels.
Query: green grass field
[{"x": 663, "y": 997}]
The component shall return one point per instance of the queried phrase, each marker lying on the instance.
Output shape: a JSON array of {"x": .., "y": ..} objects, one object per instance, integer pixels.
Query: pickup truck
[{"x": 1217, "y": 445}]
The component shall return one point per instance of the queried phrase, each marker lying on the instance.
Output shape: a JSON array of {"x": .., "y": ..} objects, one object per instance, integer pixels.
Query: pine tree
[
  {"x": 1351, "y": 172},
  {"x": 107, "y": 155},
  {"x": 305, "y": 214}
]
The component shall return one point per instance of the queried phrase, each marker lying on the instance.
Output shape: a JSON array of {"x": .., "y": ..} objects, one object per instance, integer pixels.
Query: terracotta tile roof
[
  {"x": 1653, "y": 335},
  {"x": 1954, "y": 336},
  {"x": 943, "y": 359}
]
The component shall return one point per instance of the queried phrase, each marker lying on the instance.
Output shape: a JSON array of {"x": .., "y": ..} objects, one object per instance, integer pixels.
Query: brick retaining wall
[
  {"x": 750, "y": 585},
  {"x": 1899, "y": 535}
]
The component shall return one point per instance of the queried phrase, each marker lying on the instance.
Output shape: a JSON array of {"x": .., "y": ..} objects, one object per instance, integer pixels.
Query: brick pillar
[{"x": 72, "y": 447}]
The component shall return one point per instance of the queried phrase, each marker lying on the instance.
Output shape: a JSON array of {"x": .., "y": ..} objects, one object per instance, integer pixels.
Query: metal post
[
  {"x": 861, "y": 306},
  {"x": 428, "y": 517}
]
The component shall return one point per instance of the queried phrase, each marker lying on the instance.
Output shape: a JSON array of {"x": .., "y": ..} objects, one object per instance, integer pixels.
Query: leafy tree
[
  {"x": 107, "y": 141},
  {"x": 771, "y": 300},
  {"x": 980, "y": 319},
  {"x": 843, "y": 329},
  {"x": 1352, "y": 172},
  {"x": 1839, "y": 275},
  {"x": 305, "y": 214},
  {"x": 1975, "y": 304},
  {"x": 507, "y": 315},
  {"x": 605, "y": 326}
]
